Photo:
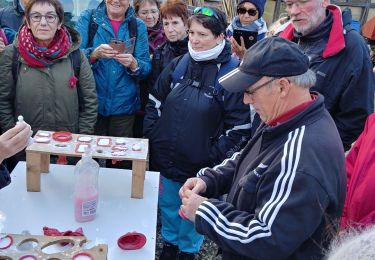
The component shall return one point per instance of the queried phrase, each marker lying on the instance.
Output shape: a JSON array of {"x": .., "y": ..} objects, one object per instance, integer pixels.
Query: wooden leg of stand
[
  {"x": 138, "y": 178},
  {"x": 33, "y": 169},
  {"x": 45, "y": 162}
]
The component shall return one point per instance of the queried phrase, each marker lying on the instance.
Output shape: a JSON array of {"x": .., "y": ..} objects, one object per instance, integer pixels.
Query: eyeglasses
[
  {"x": 206, "y": 11},
  {"x": 152, "y": 12},
  {"x": 251, "y": 12},
  {"x": 252, "y": 91},
  {"x": 37, "y": 17}
]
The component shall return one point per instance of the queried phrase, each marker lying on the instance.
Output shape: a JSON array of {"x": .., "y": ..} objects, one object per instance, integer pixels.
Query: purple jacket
[{"x": 156, "y": 37}]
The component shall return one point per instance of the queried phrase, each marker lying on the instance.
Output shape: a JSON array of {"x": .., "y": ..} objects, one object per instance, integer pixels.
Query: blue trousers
[{"x": 176, "y": 230}]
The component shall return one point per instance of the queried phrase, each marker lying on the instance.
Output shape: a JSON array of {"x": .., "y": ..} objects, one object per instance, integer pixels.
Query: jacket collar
[{"x": 336, "y": 40}]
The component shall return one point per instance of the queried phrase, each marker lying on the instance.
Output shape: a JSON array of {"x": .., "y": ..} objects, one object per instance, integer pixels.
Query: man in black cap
[{"x": 287, "y": 187}]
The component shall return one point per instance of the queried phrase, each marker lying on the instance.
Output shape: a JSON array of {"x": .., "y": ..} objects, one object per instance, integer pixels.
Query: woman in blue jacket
[
  {"x": 192, "y": 123},
  {"x": 116, "y": 74}
]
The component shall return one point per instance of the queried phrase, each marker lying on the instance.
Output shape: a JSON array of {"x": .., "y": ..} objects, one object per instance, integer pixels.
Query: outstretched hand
[{"x": 14, "y": 140}]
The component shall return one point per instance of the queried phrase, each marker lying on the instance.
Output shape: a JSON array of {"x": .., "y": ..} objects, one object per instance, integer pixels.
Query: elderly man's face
[
  {"x": 306, "y": 15},
  {"x": 264, "y": 99}
]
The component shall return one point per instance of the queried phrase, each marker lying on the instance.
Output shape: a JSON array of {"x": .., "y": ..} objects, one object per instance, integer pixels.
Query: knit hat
[{"x": 258, "y": 3}]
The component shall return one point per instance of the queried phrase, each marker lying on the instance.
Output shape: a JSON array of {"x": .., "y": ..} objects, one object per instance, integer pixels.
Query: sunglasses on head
[
  {"x": 206, "y": 11},
  {"x": 251, "y": 12}
]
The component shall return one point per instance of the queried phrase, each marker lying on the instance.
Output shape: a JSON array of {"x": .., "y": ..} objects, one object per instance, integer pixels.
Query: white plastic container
[{"x": 86, "y": 190}]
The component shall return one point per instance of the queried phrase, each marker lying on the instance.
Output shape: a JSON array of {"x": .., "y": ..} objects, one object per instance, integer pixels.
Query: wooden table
[
  {"x": 38, "y": 157},
  {"x": 53, "y": 207}
]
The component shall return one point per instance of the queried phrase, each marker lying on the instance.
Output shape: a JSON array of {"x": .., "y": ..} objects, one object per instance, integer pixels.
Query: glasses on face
[
  {"x": 255, "y": 89},
  {"x": 206, "y": 11},
  {"x": 146, "y": 12},
  {"x": 37, "y": 17},
  {"x": 251, "y": 11}
]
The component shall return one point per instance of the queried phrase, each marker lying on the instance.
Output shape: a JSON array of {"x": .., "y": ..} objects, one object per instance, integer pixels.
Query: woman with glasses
[
  {"x": 148, "y": 11},
  {"x": 250, "y": 19},
  {"x": 192, "y": 123},
  {"x": 37, "y": 78}
]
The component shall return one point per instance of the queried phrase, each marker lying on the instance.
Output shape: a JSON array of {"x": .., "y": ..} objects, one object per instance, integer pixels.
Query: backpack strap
[
  {"x": 132, "y": 27},
  {"x": 93, "y": 27},
  {"x": 15, "y": 65},
  {"x": 218, "y": 92},
  {"x": 180, "y": 69},
  {"x": 75, "y": 59}
]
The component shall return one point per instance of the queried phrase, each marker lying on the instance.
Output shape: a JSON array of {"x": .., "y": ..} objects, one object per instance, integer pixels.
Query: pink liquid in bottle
[{"x": 85, "y": 205}]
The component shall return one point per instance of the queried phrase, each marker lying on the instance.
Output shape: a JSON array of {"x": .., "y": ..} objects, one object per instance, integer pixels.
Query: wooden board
[
  {"x": 98, "y": 252},
  {"x": 100, "y": 152}
]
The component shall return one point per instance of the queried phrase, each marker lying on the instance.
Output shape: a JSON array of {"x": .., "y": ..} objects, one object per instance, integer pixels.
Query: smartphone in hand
[
  {"x": 250, "y": 38},
  {"x": 118, "y": 45},
  {"x": 123, "y": 46}
]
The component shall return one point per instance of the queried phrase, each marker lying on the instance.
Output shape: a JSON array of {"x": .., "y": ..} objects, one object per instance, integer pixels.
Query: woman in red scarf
[{"x": 44, "y": 88}]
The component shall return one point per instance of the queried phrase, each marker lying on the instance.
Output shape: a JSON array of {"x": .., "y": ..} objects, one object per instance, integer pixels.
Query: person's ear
[
  {"x": 283, "y": 86},
  {"x": 220, "y": 38},
  {"x": 59, "y": 26}
]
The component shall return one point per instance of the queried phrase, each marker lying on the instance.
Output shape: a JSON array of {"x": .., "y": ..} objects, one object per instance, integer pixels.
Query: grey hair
[
  {"x": 305, "y": 80},
  {"x": 355, "y": 244}
]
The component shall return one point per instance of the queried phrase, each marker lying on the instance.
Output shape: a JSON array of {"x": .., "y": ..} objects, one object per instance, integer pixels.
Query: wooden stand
[{"x": 38, "y": 159}]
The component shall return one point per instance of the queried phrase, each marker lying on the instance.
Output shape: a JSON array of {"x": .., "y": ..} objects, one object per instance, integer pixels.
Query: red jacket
[{"x": 359, "y": 207}]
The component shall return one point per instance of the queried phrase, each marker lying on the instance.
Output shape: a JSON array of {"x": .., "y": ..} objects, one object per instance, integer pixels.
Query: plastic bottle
[{"x": 86, "y": 192}]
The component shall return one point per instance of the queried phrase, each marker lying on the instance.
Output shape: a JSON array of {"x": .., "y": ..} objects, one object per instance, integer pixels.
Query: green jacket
[{"x": 43, "y": 95}]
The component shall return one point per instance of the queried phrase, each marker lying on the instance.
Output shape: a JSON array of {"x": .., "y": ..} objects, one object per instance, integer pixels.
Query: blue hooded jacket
[{"x": 117, "y": 86}]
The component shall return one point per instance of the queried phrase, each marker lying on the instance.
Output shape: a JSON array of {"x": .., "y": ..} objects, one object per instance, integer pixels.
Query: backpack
[
  {"x": 218, "y": 93},
  {"x": 93, "y": 27},
  {"x": 75, "y": 59}
]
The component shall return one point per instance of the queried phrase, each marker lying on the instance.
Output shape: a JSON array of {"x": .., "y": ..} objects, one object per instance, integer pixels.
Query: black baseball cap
[{"x": 272, "y": 57}]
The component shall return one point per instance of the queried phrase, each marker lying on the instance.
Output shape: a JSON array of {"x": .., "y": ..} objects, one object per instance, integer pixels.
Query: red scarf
[{"x": 38, "y": 56}]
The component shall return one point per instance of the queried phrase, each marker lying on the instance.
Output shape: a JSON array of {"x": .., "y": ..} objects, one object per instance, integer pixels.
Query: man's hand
[
  {"x": 190, "y": 203},
  {"x": 103, "y": 51},
  {"x": 14, "y": 140},
  {"x": 127, "y": 60},
  {"x": 196, "y": 185},
  {"x": 239, "y": 50}
]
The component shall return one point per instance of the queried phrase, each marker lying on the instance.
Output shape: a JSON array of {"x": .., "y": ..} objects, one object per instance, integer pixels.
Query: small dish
[{"x": 132, "y": 241}]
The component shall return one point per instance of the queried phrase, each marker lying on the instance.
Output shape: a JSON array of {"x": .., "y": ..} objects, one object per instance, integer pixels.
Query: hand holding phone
[
  {"x": 249, "y": 37},
  {"x": 122, "y": 47},
  {"x": 118, "y": 45}
]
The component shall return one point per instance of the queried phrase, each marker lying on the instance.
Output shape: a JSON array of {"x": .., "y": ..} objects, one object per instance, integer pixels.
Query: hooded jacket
[
  {"x": 341, "y": 60},
  {"x": 43, "y": 95},
  {"x": 286, "y": 191},
  {"x": 187, "y": 127},
  {"x": 12, "y": 16},
  {"x": 117, "y": 86},
  {"x": 359, "y": 209}
]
